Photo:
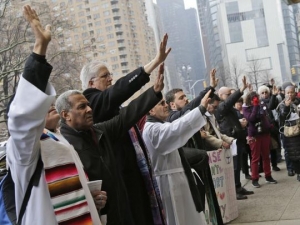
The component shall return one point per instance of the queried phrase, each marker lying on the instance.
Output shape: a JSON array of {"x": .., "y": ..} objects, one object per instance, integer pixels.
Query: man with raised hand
[
  {"x": 164, "y": 140},
  {"x": 26, "y": 123},
  {"x": 94, "y": 145},
  {"x": 62, "y": 195},
  {"x": 231, "y": 126},
  {"x": 131, "y": 154}
]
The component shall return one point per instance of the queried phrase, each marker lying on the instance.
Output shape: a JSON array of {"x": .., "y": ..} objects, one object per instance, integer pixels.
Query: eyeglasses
[
  {"x": 265, "y": 92},
  {"x": 104, "y": 76},
  {"x": 215, "y": 106}
]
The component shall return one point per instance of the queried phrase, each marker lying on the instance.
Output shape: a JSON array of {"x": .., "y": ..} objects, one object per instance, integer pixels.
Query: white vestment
[
  {"x": 26, "y": 123},
  {"x": 163, "y": 141}
]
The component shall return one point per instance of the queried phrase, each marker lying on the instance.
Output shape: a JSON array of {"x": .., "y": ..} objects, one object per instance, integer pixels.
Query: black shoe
[
  {"x": 291, "y": 173},
  {"x": 240, "y": 196},
  {"x": 247, "y": 176},
  {"x": 255, "y": 184},
  {"x": 275, "y": 168},
  {"x": 270, "y": 180},
  {"x": 244, "y": 191},
  {"x": 298, "y": 177}
]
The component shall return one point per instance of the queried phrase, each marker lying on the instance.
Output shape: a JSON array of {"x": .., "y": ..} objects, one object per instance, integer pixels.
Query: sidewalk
[{"x": 271, "y": 204}]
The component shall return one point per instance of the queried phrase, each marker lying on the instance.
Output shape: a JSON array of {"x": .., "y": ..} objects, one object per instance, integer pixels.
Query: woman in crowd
[
  {"x": 288, "y": 113},
  {"x": 246, "y": 151},
  {"x": 258, "y": 137},
  {"x": 270, "y": 101}
]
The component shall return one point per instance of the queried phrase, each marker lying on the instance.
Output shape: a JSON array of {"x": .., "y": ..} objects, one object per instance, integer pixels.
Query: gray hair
[
  {"x": 89, "y": 71},
  {"x": 262, "y": 89},
  {"x": 63, "y": 103}
]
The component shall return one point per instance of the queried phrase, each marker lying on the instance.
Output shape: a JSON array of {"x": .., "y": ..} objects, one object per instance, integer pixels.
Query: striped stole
[{"x": 66, "y": 192}]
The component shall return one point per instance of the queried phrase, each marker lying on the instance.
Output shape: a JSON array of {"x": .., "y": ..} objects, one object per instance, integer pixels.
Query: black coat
[
  {"x": 196, "y": 141},
  {"x": 98, "y": 158},
  {"x": 291, "y": 144},
  {"x": 106, "y": 104},
  {"x": 228, "y": 119}
]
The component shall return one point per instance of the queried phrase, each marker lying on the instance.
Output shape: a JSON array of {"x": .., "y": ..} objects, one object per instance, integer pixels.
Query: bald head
[{"x": 224, "y": 92}]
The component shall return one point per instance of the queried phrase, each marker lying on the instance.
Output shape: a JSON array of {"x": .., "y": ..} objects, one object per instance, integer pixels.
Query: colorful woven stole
[
  {"x": 147, "y": 174},
  {"x": 66, "y": 192}
]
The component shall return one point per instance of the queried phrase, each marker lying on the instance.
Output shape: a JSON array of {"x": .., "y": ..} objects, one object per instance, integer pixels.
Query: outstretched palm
[
  {"x": 163, "y": 51},
  {"x": 42, "y": 36}
]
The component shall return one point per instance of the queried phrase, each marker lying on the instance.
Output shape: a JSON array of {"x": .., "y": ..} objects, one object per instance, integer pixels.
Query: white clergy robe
[{"x": 163, "y": 141}]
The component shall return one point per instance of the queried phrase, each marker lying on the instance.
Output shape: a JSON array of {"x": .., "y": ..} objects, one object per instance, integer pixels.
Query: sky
[{"x": 190, "y": 4}]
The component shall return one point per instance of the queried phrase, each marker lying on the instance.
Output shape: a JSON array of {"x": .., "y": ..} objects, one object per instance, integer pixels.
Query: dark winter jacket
[
  {"x": 196, "y": 141},
  {"x": 96, "y": 151},
  {"x": 228, "y": 119},
  {"x": 291, "y": 144}
]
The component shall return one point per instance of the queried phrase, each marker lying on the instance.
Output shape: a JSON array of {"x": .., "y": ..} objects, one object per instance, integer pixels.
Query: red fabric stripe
[
  {"x": 81, "y": 220},
  {"x": 60, "y": 172}
]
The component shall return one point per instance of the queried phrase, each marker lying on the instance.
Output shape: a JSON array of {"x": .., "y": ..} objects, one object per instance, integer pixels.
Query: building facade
[
  {"x": 183, "y": 29},
  {"x": 254, "y": 35}
]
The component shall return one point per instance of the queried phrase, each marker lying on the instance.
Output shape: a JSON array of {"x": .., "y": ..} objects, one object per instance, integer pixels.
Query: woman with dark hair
[
  {"x": 246, "y": 149},
  {"x": 288, "y": 111},
  {"x": 258, "y": 137}
]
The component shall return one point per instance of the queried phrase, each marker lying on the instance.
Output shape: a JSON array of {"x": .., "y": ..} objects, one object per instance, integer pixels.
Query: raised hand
[
  {"x": 274, "y": 90},
  {"x": 159, "y": 83},
  {"x": 205, "y": 99},
  {"x": 213, "y": 80},
  {"x": 244, "y": 83},
  {"x": 42, "y": 35},
  {"x": 160, "y": 56},
  {"x": 163, "y": 51},
  {"x": 250, "y": 87}
]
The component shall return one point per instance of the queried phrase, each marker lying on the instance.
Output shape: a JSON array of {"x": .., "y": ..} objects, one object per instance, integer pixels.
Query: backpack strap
[{"x": 34, "y": 181}]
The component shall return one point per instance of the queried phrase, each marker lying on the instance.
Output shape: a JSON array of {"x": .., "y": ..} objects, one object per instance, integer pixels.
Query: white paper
[
  {"x": 233, "y": 148},
  {"x": 95, "y": 185}
]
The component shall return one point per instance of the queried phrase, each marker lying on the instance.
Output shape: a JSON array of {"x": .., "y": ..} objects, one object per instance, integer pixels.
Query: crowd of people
[{"x": 147, "y": 153}]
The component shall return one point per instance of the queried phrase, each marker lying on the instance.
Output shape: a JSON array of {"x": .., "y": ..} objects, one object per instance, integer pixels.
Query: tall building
[
  {"x": 183, "y": 29},
  {"x": 172, "y": 79},
  {"x": 258, "y": 36}
]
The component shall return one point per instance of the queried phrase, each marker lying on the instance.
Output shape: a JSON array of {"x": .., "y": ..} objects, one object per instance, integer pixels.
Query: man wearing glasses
[{"x": 133, "y": 164}]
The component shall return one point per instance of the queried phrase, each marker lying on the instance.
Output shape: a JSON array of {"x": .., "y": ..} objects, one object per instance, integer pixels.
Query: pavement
[{"x": 271, "y": 204}]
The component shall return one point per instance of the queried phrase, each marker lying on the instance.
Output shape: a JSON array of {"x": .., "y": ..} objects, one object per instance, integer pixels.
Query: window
[
  {"x": 99, "y": 31},
  {"x": 106, "y": 13},
  {"x": 109, "y": 28},
  {"x": 110, "y": 36},
  {"x": 114, "y": 59},
  {"x": 105, "y": 5},
  {"x": 107, "y": 21},
  {"x": 111, "y": 44},
  {"x": 85, "y": 34},
  {"x": 97, "y": 23},
  {"x": 96, "y": 16}
]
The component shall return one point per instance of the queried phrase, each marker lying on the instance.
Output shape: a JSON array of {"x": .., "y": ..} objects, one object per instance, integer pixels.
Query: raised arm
[
  {"x": 169, "y": 137},
  {"x": 136, "y": 109},
  {"x": 196, "y": 101},
  {"x": 105, "y": 104},
  {"x": 33, "y": 97}
]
